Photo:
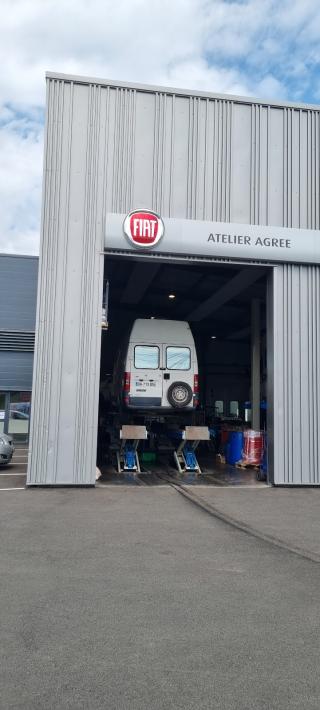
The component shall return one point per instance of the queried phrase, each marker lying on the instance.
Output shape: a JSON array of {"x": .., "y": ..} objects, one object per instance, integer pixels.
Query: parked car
[
  {"x": 16, "y": 414},
  {"x": 158, "y": 367},
  {"x": 6, "y": 449},
  {"x": 20, "y": 408}
]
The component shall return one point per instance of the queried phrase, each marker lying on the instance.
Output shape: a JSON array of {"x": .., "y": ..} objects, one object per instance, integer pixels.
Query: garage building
[{"x": 235, "y": 184}]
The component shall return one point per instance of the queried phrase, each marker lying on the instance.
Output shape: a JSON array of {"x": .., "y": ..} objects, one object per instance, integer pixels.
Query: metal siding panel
[
  {"x": 296, "y": 326},
  {"x": 167, "y": 154},
  {"x": 209, "y": 164},
  {"x": 316, "y": 393},
  {"x": 303, "y": 159},
  {"x": 276, "y": 167},
  {"x": 146, "y": 147},
  {"x": 263, "y": 166},
  {"x": 73, "y": 288},
  {"x": 241, "y": 165},
  {"x": 179, "y": 180},
  {"x": 295, "y": 185},
  {"x": 302, "y": 341},
  {"x": 64, "y": 424},
  {"x": 271, "y": 399},
  {"x": 201, "y": 159},
  {"x": 296, "y": 347},
  {"x": 279, "y": 376}
]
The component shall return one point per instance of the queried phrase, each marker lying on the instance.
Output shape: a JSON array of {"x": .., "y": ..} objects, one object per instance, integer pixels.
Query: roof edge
[
  {"x": 18, "y": 256},
  {"x": 179, "y": 92}
]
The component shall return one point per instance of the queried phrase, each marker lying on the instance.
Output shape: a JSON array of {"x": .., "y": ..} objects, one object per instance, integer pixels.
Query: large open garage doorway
[{"x": 225, "y": 306}]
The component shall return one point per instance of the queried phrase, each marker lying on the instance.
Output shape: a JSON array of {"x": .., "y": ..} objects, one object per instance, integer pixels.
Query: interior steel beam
[
  {"x": 245, "y": 278},
  {"x": 140, "y": 279}
]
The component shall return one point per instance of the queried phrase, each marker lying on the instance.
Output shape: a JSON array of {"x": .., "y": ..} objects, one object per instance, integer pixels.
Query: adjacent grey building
[{"x": 18, "y": 294}]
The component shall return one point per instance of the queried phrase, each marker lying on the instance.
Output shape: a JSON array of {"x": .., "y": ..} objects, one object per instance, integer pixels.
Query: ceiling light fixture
[
  {"x": 213, "y": 337},
  {"x": 172, "y": 296}
]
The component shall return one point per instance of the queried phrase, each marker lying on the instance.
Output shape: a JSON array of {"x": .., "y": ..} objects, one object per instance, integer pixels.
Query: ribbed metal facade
[
  {"x": 295, "y": 374},
  {"x": 112, "y": 148}
]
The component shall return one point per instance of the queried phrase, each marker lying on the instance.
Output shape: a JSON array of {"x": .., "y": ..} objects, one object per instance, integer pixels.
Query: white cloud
[
  {"x": 20, "y": 184},
  {"x": 246, "y": 47}
]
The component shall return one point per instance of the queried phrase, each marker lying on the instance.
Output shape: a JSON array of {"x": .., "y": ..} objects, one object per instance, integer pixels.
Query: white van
[{"x": 160, "y": 366}]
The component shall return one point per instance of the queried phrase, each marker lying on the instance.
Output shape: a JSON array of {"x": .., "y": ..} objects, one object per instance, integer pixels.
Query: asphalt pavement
[{"x": 134, "y": 598}]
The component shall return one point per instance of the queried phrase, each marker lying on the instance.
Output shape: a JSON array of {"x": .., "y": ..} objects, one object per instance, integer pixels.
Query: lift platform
[
  {"x": 184, "y": 455},
  {"x": 127, "y": 456}
]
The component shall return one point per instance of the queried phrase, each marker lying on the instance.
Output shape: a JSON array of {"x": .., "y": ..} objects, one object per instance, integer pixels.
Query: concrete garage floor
[
  {"x": 213, "y": 473},
  {"x": 134, "y": 598}
]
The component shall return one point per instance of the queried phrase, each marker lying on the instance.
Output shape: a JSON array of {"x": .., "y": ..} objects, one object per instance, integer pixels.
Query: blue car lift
[
  {"x": 127, "y": 456},
  {"x": 184, "y": 455}
]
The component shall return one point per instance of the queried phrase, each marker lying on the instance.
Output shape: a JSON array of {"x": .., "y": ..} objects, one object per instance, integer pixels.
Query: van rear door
[
  {"x": 146, "y": 380},
  {"x": 178, "y": 377}
]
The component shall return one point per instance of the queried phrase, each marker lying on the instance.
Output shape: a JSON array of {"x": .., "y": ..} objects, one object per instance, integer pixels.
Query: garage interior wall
[{"x": 113, "y": 148}]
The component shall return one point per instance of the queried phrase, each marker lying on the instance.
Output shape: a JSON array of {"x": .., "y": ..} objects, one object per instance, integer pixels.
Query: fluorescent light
[
  {"x": 213, "y": 337},
  {"x": 172, "y": 295}
]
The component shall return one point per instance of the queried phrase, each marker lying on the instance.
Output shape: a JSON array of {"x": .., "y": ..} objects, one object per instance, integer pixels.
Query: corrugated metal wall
[
  {"x": 65, "y": 394},
  {"x": 295, "y": 372},
  {"x": 111, "y": 148}
]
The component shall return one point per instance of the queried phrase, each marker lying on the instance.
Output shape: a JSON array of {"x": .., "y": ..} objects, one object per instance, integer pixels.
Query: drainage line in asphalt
[{"x": 244, "y": 527}]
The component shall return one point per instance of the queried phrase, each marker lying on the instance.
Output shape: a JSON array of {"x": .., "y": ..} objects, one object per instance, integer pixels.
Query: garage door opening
[{"x": 224, "y": 306}]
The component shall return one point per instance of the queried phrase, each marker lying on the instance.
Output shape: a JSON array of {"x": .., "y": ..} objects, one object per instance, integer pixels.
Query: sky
[{"x": 268, "y": 49}]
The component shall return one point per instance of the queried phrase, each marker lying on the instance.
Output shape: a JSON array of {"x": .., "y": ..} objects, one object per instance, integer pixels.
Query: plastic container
[
  {"x": 253, "y": 447},
  {"x": 234, "y": 447}
]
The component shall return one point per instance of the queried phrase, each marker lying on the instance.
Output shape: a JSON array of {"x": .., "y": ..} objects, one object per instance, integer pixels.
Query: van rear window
[
  {"x": 146, "y": 357},
  {"x": 178, "y": 358}
]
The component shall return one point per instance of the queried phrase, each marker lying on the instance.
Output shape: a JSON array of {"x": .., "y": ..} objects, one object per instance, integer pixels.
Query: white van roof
[{"x": 154, "y": 330}]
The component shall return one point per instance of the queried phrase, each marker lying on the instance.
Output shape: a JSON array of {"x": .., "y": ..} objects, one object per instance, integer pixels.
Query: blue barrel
[{"x": 234, "y": 447}]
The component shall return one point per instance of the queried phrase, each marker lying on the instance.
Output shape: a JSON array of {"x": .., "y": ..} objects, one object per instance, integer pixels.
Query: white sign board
[{"x": 223, "y": 240}]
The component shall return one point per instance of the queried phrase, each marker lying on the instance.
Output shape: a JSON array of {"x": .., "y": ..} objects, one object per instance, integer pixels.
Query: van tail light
[
  {"x": 196, "y": 390},
  {"x": 126, "y": 381},
  {"x": 126, "y": 386}
]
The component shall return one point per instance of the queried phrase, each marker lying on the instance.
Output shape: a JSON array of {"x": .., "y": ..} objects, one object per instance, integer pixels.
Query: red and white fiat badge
[{"x": 143, "y": 228}]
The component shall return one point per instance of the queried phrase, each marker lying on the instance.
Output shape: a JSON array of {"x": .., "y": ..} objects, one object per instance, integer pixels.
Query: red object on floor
[
  {"x": 224, "y": 436},
  {"x": 253, "y": 447}
]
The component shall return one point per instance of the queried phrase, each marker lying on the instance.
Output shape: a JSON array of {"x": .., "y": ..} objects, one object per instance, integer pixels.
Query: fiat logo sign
[{"x": 143, "y": 228}]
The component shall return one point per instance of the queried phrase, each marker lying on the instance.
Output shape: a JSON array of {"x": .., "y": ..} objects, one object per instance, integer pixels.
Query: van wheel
[{"x": 179, "y": 395}]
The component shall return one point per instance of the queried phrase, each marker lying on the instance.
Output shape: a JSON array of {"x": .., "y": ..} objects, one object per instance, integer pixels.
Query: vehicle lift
[
  {"x": 127, "y": 456},
  {"x": 184, "y": 455}
]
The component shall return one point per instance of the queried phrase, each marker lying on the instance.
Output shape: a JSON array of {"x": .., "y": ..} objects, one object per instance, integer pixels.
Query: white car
[{"x": 6, "y": 449}]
